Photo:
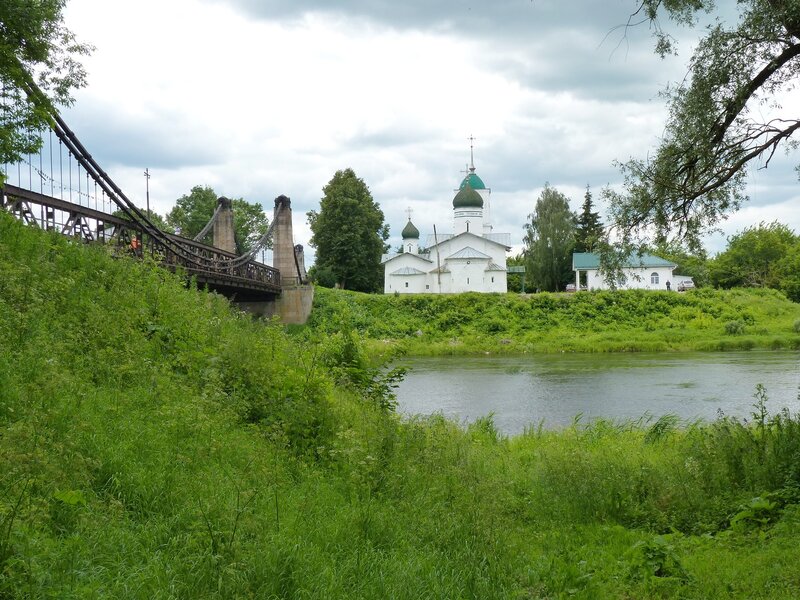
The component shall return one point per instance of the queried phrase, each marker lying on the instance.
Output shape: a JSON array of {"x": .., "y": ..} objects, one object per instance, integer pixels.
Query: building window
[
  {"x": 654, "y": 278},
  {"x": 427, "y": 287},
  {"x": 492, "y": 279},
  {"x": 406, "y": 284},
  {"x": 467, "y": 280}
]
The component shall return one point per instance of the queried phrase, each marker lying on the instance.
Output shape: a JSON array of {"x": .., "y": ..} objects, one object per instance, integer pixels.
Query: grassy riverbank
[
  {"x": 155, "y": 444},
  {"x": 621, "y": 321}
]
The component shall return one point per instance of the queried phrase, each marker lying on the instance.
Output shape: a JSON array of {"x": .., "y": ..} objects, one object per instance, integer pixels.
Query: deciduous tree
[
  {"x": 349, "y": 233},
  {"x": 760, "y": 256},
  {"x": 34, "y": 46},
  {"x": 191, "y": 213},
  {"x": 549, "y": 240},
  {"x": 723, "y": 116}
]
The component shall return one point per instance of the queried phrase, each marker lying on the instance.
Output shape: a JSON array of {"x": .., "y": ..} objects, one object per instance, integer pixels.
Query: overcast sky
[{"x": 258, "y": 98}]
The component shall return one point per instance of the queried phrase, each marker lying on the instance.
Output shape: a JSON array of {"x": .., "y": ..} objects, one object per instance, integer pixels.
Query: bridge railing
[{"x": 91, "y": 225}]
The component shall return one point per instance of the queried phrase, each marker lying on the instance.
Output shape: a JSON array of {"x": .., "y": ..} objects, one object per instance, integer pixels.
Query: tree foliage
[
  {"x": 515, "y": 280},
  {"x": 724, "y": 115},
  {"x": 693, "y": 263},
  {"x": 549, "y": 241},
  {"x": 590, "y": 231},
  {"x": 763, "y": 256},
  {"x": 34, "y": 40},
  {"x": 191, "y": 213},
  {"x": 349, "y": 234}
]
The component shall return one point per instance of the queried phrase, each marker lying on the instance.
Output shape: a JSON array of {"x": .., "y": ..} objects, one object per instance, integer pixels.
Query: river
[{"x": 521, "y": 391}]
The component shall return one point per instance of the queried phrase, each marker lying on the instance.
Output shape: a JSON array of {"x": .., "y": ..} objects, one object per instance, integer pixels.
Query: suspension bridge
[{"x": 63, "y": 189}]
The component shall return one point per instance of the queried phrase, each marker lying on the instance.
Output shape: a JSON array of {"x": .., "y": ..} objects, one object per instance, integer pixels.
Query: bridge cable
[
  {"x": 204, "y": 232},
  {"x": 74, "y": 145}
]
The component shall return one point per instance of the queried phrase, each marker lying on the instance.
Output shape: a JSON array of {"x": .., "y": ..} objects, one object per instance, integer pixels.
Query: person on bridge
[{"x": 136, "y": 246}]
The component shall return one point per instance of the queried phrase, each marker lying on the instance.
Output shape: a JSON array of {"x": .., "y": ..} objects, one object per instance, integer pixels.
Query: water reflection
[{"x": 522, "y": 391}]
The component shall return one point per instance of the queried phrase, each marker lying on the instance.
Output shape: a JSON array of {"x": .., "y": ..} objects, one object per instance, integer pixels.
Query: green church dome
[
  {"x": 475, "y": 182},
  {"x": 410, "y": 232},
  {"x": 467, "y": 197}
]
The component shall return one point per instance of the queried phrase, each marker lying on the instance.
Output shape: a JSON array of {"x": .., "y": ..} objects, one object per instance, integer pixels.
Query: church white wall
[
  {"x": 406, "y": 284},
  {"x": 487, "y": 210},
  {"x": 468, "y": 219},
  {"x": 497, "y": 281},
  {"x": 397, "y": 283},
  {"x": 467, "y": 276}
]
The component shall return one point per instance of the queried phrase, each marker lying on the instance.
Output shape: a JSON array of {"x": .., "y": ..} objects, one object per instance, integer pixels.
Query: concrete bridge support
[
  {"x": 283, "y": 243},
  {"x": 224, "y": 238},
  {"x": 297, "y": 296}
]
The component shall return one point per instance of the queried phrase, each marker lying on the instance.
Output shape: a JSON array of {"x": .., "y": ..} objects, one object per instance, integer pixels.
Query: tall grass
[
  {"x": 602, "y": 321},
  {"x": 156, "y": 444}
]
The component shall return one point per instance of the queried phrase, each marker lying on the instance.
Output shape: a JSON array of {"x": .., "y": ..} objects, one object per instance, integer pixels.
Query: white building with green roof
[
  {"x": 471, "y": 259},
  {"x": 644, "y": 272}
]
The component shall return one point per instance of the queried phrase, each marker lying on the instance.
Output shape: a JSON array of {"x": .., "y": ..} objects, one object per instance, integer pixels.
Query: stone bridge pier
[
  {"x": 293, "y": 306},
  {"x": 224, "y": 238},
  {"x": 297, "y": 295}
]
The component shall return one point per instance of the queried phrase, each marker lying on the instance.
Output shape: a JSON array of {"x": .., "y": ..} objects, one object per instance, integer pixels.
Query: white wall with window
[{"x": 646, "y": 272}]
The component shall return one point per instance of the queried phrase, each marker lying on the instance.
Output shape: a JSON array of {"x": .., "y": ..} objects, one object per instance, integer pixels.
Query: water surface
[{"x": 523, "y": 390}]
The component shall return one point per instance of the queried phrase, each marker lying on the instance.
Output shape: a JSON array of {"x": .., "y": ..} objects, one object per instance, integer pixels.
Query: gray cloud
[{"x": 134, "y": 141}]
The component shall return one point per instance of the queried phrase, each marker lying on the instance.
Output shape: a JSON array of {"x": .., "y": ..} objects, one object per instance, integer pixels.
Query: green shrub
[{"x": 734, "y": 327}]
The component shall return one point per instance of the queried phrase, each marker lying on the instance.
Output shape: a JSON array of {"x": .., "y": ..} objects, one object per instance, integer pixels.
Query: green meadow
[{"x": 155, "y": 443}]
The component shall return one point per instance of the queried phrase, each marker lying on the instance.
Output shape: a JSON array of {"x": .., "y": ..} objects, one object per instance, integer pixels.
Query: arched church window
[{"x": 654, "y": 278}]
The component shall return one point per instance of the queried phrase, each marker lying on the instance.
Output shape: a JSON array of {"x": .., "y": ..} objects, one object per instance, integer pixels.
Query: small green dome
[
  {"x": 410, "y": 232},
  {"x": 467, "y": 198},
  {"x": 475, "y": 182}
]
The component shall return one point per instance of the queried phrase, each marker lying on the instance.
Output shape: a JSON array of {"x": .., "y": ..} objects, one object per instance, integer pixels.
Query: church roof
[
  {"x": 467, "y": 197},
  {"x": 493, "y": 266},
  {"x": 469, "y": 252},
  {"x": 472, "y": 180},
  {"x": 410, "y": 232},
  {"x": 408, "y": 271},
  {"x": 501, "y": 239},
  {"x": 425, "y": 256}
]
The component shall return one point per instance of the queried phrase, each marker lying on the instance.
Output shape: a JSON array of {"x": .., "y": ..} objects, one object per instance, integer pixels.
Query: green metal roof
[
  {"x": 467, "y": 197},
  {"x": 410, "y": 232},
  {"x": 475, "y": 182},
  {"x": 591, "y": 260}
]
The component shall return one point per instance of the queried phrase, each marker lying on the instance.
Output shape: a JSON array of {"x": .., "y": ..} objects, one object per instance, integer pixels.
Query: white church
[{"x": 470, "y": 259}]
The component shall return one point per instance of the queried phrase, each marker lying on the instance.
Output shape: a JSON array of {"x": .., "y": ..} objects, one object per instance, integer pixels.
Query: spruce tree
[{"x": 590, "y": 229}]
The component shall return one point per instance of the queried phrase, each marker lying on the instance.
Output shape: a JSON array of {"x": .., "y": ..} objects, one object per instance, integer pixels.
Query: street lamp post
[{"x": 147, "y": 180}]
